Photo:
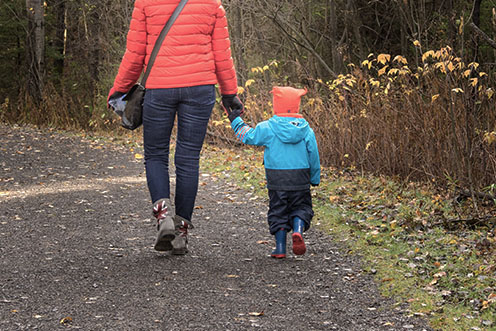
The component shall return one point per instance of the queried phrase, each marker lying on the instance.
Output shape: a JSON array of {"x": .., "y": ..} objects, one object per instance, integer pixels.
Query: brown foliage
[{"x": 435, "y": 122}]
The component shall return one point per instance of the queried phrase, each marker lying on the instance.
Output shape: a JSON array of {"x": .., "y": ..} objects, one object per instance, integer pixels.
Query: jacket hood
[{"x": 289, "y": 130}]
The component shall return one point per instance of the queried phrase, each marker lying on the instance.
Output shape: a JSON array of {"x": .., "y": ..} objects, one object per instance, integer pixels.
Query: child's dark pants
[{"x": 285, "y": 205}]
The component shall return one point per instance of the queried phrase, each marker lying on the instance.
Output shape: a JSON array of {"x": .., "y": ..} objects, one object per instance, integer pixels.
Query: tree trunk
[
  {"x": 238, "y": 46},
  {"x": 452, "y": 28},
  {"x": 476, "y": 20},
  {"x": 354, "y": 24},
  {"x": 337, "y": 61},
  {"x": 493, "y": 21},
  {"x": 95, "y": 42},
  {"x": 60, "y": 35},
  {"x": 35, "y": 48}
]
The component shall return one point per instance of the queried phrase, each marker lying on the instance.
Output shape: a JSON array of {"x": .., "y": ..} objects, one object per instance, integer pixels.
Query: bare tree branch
[{"x": 481, "y": 33}]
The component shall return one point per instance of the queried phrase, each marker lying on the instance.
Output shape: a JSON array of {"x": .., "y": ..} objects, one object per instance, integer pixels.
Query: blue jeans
[{"x": 193, "y": 106}]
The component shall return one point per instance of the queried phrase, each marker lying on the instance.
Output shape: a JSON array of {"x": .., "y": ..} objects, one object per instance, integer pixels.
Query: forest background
[
  {"x": 396, "y": 87},
  {"x": 400, "y": 95}
]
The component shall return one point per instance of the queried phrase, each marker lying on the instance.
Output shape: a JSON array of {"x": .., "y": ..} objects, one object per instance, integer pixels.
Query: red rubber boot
[{"x": 299, "y": 247}]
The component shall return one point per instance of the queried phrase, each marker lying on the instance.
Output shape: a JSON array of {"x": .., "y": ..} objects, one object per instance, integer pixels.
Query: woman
[{"x": 194, "y": 57}]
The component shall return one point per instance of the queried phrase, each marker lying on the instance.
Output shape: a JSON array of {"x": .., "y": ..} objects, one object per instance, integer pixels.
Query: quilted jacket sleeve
[
  {"x": 260, "y": 136},
  {"x": 313, "y": 157},
  {"x": 133, "y": 61},
  {"x": 221, "y": 46}
]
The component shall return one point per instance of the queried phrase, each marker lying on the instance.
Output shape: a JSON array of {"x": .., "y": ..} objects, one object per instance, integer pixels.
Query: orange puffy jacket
[{"x": 196, "y": 51}]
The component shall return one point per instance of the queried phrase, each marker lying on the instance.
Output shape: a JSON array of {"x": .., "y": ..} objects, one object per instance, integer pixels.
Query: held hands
[{"x": 232, "y": 105}]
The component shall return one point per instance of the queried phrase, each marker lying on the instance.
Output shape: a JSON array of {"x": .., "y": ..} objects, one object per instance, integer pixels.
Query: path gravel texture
[{"x": 76, "y": 247}]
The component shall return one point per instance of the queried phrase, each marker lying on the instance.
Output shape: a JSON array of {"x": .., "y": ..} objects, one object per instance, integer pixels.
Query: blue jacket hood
[{"x": 290, "y": 130}]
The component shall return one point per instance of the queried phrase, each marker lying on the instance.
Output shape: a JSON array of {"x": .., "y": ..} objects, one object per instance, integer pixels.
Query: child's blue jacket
[{"x": 291, "y": 155}]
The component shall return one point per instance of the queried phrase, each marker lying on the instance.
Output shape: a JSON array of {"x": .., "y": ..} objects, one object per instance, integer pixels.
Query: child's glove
[
  {"x": 234, "y": 114},
  {"x": 232, "y": 105}
]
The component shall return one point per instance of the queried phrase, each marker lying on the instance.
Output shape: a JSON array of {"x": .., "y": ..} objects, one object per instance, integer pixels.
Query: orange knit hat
[{"x": 286, "y": 101}]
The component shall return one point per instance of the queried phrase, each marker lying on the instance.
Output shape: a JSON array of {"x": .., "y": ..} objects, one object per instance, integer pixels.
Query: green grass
[{"x": 446, "y": 272}]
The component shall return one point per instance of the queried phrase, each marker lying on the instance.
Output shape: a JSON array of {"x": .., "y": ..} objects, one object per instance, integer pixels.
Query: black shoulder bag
[{"x": 132, "y": 117}]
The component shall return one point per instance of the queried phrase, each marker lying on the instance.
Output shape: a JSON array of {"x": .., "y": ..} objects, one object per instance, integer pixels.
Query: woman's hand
[
  {"x": 232, "y": 105},
  {"x": 113, "y": 94}
]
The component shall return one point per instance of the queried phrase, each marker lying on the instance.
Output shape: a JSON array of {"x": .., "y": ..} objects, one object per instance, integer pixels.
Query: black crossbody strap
[{"x": 161, "y": 38}]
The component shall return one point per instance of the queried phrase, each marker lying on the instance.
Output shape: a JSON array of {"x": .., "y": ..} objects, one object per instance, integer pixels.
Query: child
[{"x": 292, "y": 164}]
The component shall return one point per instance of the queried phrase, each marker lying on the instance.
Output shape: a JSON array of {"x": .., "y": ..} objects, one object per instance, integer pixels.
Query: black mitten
[{"x": 113, "y": 95}]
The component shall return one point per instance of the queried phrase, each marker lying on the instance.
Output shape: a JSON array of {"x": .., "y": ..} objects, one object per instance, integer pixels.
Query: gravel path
[{"x": 76, "y": 245}]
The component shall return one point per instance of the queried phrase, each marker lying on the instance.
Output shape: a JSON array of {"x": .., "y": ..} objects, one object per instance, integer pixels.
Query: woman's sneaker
[
  {"x": 180, "y": 242},
  {"x": 165, "y": 225}
]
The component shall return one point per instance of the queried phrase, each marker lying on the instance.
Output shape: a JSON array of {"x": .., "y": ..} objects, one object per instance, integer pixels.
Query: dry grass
[{"x": 435, "y": 122}]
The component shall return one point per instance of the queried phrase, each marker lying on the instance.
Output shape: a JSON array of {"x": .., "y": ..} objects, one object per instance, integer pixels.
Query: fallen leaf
[
  {"x": 66, "y": 320},
  {"x": 232, "y": 276},
  {"x": 440, "y": 274},
  {"x": 262, "y": 242},
  {"x": 256, "y": 314},
  {"x": 138, "y": 156}
]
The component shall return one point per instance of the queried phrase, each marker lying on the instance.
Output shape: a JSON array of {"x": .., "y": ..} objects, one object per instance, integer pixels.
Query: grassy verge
[{"x": 409, "y": 235}]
